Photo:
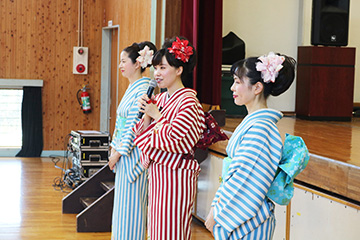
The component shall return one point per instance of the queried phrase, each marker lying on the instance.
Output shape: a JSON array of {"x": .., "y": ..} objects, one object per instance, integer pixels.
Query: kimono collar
[
  {"x": 181, "y": 91},
  {"x": 177, "y": 93},
  {"x": 175, "y": 97},
  {"x": 266, "y": 114},
  {"x": 139, "y": 82}
]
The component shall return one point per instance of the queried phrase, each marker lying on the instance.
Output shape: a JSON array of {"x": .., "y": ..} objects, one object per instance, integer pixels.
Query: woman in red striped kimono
[{"x": 172, "y": 124}]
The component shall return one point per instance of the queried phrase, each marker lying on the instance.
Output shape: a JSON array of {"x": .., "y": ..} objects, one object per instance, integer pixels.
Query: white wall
[
  {"x": 265, "y": 27},
  {"x": 354, "y": 41},
  {"x": 281, "y": 26},
  {"x": 318, "y": 217}
]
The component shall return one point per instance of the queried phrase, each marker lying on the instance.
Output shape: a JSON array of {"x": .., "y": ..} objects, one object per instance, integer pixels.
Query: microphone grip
[
  {"x": 140, "y": 114},
  {"x": 149, "y": 94}
]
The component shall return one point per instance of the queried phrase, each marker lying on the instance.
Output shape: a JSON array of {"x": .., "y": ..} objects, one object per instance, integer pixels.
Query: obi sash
[
  {"x": 294, "y": 159},
  {"x": 120, "y": 126},
  {"x": 225, "y": 168}
]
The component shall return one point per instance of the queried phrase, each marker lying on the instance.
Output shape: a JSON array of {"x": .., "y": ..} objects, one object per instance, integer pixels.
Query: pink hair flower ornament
[
  {"x": 146, "y": 56},
  {"x": 181, "y": 50},
  {"x": 270, "y": 66}
]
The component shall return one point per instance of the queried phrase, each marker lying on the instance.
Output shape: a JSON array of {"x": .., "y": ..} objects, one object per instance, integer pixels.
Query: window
[{"x": 10, "y": 118}]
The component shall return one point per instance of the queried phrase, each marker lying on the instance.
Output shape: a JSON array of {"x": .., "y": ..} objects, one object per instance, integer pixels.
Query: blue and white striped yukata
[
  {"x": 241, "y": 209},
  {"x": 130, "y": 199}
]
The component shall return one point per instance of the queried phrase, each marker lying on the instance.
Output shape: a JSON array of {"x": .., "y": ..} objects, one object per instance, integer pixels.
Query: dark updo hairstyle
[
  {"x": 188, "y": 66},
  {"x": 133, "y": 51},
  {"x": 247, "y": 67}
]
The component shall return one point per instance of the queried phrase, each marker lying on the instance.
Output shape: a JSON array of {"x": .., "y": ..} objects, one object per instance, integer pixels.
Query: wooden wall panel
[
  {"x": 134, "y": 19},
  {"x": 172, "y": 18},
  {"x": 36, "y": 42},
  {"x": 2, "y": 39}
]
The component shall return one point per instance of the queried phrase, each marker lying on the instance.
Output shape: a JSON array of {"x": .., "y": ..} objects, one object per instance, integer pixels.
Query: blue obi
[{"x": 295, "y": 157}]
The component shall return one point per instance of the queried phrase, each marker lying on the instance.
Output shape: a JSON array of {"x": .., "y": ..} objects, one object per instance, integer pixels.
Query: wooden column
[{"x": 325, "y": 83}]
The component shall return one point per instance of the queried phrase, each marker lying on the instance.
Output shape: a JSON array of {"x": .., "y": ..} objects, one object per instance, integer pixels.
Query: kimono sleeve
[
  {"x": 243, "y": 192},
  {"x": 182, "y": 133},
  {"x": 127, "y": 139},
  {"x": 216, "y": 198},
  {"x": 138, "y": 128}
]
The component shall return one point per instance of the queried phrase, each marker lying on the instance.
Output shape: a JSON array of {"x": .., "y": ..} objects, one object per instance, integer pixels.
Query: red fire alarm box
[{"x": 80, "y": 60}]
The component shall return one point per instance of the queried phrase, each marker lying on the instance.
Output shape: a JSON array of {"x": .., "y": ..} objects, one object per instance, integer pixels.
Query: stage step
[
  {"x": 107, "y": 185},
  {"x": 93, "y": 201},
  {"x": 87, "y": 201}
]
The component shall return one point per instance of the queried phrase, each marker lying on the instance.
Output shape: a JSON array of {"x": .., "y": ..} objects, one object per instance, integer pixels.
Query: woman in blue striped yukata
[
  {"x": 130, "y": 199},
  {"x": 240, "y": 209}
]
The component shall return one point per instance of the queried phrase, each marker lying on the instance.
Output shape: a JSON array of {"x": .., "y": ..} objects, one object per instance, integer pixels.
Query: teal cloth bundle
[
  {"x": 295, "y": 157},
  {"x": 120, "y": 126}
]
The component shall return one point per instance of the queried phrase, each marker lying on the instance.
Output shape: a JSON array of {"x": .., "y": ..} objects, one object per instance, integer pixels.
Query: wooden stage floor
[
  {"x": 31, "y": 209},
  {"x": 334, "y": 148}
]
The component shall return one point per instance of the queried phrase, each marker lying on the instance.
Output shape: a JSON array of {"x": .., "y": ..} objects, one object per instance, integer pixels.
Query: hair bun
[{"x": 285, "y": 78}]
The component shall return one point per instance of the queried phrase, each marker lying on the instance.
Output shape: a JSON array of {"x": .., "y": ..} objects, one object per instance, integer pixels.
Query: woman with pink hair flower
[
  {"x": 130, "y": 197},
  {"x": 241, "y": 209}
]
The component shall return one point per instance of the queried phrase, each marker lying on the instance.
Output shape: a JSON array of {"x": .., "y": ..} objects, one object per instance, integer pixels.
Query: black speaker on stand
[{"x": 330, "y": 22}]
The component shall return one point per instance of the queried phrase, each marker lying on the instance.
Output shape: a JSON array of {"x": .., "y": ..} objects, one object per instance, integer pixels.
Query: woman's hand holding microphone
[{"x": 149, "y": 107}]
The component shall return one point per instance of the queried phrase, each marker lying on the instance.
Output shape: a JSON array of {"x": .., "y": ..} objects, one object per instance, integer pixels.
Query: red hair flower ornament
[
  {"x": 181, "y": 50},
  {"x": 270, "y": 66}
]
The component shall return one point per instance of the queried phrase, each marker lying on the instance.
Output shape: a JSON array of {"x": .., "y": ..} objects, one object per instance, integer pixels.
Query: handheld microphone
[{"x": 152, "y": 86}]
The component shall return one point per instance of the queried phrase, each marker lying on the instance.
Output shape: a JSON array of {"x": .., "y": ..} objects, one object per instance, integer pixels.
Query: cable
[
  {"x": 72, "y": 172},
  {"x": 59, "y": 183}
]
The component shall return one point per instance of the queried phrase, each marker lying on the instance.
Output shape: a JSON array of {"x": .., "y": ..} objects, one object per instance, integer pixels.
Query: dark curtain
[
  {"x": 201, "y": 23},
  {"x": 31, "y": 120}
]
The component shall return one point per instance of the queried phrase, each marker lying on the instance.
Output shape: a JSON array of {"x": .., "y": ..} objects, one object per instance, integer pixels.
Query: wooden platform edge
[{"x": 332, "y": 198}]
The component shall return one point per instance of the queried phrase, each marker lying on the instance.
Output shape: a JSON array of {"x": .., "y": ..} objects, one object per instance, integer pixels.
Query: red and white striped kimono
[{"x": 172, "y": 178}]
